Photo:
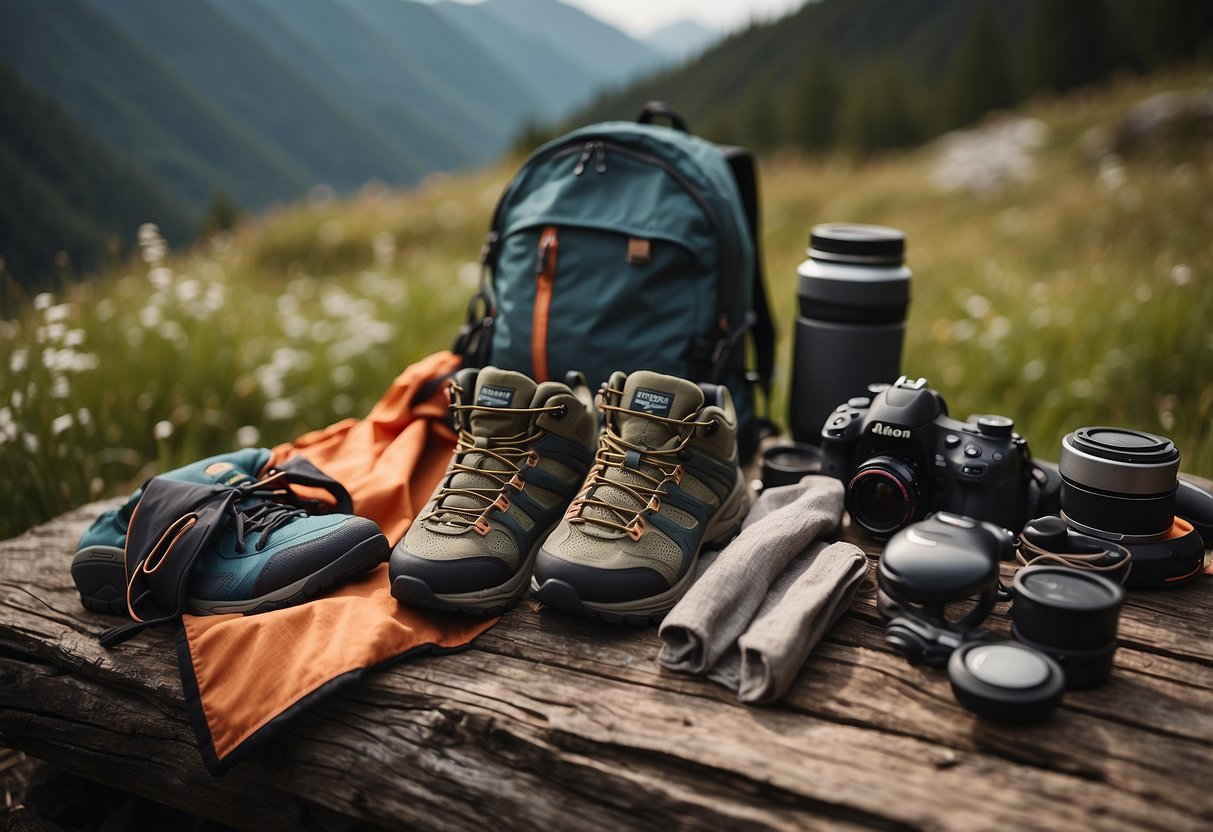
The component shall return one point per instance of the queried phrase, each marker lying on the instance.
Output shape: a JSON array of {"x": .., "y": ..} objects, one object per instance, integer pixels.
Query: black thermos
[{"x": 854, "y": 291}]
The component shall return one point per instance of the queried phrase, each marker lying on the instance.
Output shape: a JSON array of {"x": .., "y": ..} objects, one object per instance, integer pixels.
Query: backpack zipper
[{"x": 545, "y": 274}]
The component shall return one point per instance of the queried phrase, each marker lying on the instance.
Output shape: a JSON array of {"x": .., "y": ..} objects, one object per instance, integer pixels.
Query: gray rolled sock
[
  {"x": 719, "y": 606},
  {"x": 805, "y": 601}
]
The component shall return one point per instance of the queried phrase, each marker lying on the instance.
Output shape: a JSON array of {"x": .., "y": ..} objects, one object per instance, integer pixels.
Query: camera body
[{"x": 901, "y": 458}]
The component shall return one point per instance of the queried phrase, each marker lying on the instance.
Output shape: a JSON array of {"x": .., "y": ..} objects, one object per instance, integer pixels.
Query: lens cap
[
  {"x": 1119, "y": 460},
  {"x": 1005, "y": 681}
]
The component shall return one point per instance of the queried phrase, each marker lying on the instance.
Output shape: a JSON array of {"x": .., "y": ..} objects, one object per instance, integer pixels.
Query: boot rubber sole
[{"x": 651, "y": 610}]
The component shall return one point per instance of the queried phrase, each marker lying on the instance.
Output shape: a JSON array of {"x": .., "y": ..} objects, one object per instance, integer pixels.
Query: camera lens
[
  {"x": 883, "y": 495},
  {"x": 1118, "y": 484},
  {"x": 1070, "y": 615}
]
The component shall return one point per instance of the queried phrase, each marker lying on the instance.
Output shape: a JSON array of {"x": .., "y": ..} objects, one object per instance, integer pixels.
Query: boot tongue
[
  {"x": 500, "y": 389},
  {"x": 646, "y": 392}
]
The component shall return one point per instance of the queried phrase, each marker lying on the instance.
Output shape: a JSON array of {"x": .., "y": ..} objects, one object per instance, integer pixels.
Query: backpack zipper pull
[
  {"x": 489, "y": 249},
  {"x": 586, "y": 152},
  {"x": 545, "y": 256},
  {"x": 601, "y": 148}
]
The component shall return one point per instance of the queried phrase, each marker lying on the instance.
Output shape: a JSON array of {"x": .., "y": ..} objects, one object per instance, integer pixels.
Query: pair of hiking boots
[
  {"x": 265, "y": 548},
  {"x": 605, "y": 523}
]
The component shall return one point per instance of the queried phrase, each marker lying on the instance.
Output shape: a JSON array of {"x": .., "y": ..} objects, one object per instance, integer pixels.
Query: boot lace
[
  {"x": 512, "y": 453},
  {"x": 653, "y": 467},
  {"x": 262, "y": 509}
]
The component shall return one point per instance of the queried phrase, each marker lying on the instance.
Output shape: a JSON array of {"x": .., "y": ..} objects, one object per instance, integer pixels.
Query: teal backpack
[{"x": 627, "y": 246}]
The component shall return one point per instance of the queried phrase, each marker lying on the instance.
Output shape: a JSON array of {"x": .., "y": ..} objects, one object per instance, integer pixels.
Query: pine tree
[
  {"x": 816, "y": 100},
  {"x": 979, "y": 79},
  {"x": 876, "y": 113},
  {"x": 1066, "y": 44},
  {"x": 761, "y": 124}
]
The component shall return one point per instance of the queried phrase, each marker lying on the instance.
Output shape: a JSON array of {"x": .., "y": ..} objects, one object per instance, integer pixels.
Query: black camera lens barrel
[
  {"x": 883, "y": 495},
  {"x": 1118, "y": 484},
  {"x": 1071, "y": 615}
]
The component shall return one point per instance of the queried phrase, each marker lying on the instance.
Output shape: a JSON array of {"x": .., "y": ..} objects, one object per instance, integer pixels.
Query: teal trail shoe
[
  {"x": 98, "y": 569},
  {"x": 274, "y": 555}
]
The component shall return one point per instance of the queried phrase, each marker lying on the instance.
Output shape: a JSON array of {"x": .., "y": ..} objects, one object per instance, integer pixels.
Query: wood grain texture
[{"x": 551, "y": 721}]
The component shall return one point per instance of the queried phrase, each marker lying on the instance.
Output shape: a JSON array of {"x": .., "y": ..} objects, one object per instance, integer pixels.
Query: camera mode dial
[{"x": 998, "y": 427}]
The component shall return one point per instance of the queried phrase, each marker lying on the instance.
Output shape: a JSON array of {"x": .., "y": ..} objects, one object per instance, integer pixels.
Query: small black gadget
[
  {"x": 786, "y": 462},
  {"x": 927, "y": 566},
  {"x": 1049, "y": 540},
  {"x": 1071, "y": 615},
  {"x": 1006, "y": 681},
  {"x": 902, "y": 457}
]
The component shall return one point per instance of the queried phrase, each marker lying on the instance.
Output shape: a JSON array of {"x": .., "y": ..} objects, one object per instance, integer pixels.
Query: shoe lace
[
  {"x": 654, "y": 468},
  {"x": 512, "y": 453},
  {"x": 261, "y": 508}
]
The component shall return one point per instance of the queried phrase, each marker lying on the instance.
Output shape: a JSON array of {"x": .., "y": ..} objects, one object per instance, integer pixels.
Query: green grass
[{"x": 1061, "y": 301}]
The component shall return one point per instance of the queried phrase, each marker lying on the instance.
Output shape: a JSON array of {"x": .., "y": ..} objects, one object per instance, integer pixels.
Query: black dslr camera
[{"x": 902, "y": 458}]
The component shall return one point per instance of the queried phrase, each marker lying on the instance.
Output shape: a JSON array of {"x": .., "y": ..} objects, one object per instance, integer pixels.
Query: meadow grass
[{"x": 1082, "y": 294}]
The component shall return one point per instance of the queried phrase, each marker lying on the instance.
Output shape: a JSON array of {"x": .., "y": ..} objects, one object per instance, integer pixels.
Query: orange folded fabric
[{"x": 245, "y": 676}]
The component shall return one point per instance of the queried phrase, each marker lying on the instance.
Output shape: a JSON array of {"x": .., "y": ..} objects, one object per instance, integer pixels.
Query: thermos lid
[{"x": 871, "y": 245}]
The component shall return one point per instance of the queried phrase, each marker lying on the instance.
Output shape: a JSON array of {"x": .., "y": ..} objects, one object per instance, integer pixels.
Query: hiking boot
[
  {"x": 665, "y": 481},
  {"x": 275, "y": 555},
  {"x": 98, "y": 567},
  {"x": 522, "y": 453}
]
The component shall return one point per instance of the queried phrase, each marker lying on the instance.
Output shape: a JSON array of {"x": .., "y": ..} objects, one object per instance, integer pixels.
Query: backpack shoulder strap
[{"x": 745, "y": 174}]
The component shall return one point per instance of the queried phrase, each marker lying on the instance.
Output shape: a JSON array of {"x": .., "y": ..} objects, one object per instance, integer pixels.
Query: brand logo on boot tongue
[
  {"x": 652, "y": 401},
  {"x": 490, "y": 396}
]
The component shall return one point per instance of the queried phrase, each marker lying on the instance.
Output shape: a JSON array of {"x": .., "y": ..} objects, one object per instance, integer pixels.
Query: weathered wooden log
[{"x": 551, "y": 721}]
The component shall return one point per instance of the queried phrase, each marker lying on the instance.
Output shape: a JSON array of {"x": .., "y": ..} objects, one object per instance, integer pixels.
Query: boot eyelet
[
  {"x": 561, "y": 412},
  {"x": 711, "y": 428}
]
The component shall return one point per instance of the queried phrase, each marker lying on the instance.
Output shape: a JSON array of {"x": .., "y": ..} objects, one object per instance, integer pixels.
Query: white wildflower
[
  {"x": 248, "y": 436},
  {"x": 278, "y": 410},
  {"x": 61, "y": 423},
  {"x": 977, "y": 306},
  {"x": 58, "y": 312},
  {"x": 383, "y": 247},
  {"x": 1034, "y": 370},
  {"x": 163, "y": 430},
  {"x": 18, "y": 361},
  {"x": 342, "y": 375}
]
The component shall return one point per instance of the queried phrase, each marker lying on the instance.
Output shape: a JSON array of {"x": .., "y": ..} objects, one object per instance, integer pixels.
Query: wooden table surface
[{"x": 554, "y": 722}]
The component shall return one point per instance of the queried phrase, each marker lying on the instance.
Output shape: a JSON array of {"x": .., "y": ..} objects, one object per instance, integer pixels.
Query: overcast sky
[{"x": 639, "y": 17}]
